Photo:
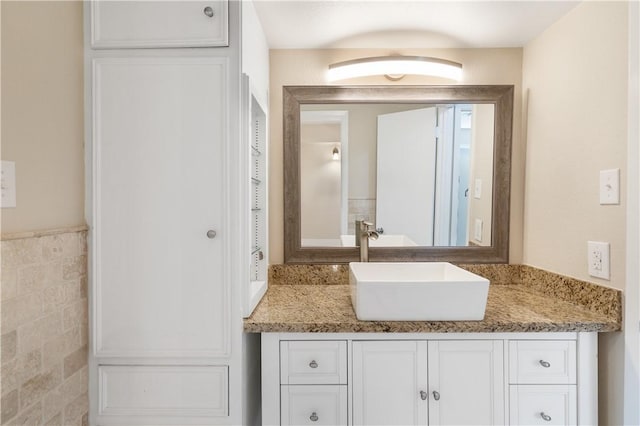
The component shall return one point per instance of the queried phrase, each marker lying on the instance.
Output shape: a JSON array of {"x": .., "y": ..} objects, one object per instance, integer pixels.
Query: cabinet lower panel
[{"x": 163, "y": 390}]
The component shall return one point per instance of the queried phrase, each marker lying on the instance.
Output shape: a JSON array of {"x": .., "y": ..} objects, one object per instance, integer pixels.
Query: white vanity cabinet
[
  {"x": 453, "y": 382},
  {"x": 430, "y": 379}
]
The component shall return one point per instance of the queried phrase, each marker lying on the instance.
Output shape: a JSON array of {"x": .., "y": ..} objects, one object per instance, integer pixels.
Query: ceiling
[{"x": 317, "y": 24}]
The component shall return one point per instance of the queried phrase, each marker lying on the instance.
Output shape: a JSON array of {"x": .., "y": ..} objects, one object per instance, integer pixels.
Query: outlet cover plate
[{"x": 598, "y": 258}]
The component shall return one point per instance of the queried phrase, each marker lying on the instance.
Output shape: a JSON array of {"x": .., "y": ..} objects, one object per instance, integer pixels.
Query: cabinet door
[
  {"x": 543, "y": 405},
  {"x": 466, "y": 383},
  {"x": 129, "y": 24},
  {"x": 314, "y": 405},
  {"x": 388, "y": 378},
  {"x": 159, "y": 133}
]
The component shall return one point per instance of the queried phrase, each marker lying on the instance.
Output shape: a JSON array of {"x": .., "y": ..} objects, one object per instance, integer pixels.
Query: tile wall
[{"x": 44, "y": 330}]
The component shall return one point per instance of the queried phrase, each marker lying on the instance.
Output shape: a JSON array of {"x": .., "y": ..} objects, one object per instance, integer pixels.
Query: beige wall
[
  {"x": 320, "y": 181},
  {"x": 575, "y": 74},
  {"x": 42, "y": 113},
  {"x": 576, "y": 77},
  {"x": 309, "y": 67}
]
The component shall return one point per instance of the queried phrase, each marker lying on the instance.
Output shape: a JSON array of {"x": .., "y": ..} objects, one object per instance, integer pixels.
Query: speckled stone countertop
[{"x": 521, "y": 299}]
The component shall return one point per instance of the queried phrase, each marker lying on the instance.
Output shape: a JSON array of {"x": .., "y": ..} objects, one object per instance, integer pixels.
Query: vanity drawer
[
  {"x": 313, "y": 362},
  {"x": 314, "y": 405},
  {"x": 543, "y": 405},
  {"x": 542, "y": 362}
]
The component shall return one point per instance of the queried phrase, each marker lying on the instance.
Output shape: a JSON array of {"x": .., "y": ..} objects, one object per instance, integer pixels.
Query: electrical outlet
[
  {"x": 8, "y": 184},
  {"x": 477, "y": 230},
  {"x": 598, "y": 258}
]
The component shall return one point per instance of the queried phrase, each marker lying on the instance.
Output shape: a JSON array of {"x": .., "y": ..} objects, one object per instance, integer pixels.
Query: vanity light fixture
[
  {"x": 335, "y": 154},
  {"x": 395, "y": 67}
]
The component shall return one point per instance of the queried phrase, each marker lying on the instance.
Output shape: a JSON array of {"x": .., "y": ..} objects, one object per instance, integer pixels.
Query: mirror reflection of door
[{"x": 407, "y": 159}]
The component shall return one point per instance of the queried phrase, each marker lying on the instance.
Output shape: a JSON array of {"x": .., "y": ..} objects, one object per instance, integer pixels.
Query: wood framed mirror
[{"x": 430, "y": 166}]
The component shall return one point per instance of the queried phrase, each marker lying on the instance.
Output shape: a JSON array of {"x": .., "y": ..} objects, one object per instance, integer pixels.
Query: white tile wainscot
[{"x": 437, "y": 378}]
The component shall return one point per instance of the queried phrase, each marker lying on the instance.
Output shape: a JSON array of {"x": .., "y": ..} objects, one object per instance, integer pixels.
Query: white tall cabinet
[{"x": 169, "y": 180}]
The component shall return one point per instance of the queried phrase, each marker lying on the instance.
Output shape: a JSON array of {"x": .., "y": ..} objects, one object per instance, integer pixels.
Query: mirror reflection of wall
[{"x": 408, "y": 168}]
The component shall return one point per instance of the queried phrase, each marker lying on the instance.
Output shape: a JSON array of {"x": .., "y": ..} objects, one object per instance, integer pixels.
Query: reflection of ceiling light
[
  {"x": 395, "y": 66},
  {"x": 335, "y": 154}
]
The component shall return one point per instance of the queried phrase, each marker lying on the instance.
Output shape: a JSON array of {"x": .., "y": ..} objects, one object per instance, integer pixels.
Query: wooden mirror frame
[{"x": 500, "y": 96}]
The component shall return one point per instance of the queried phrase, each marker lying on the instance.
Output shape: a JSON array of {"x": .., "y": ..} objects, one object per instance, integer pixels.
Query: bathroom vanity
[{"x": 531, "y": 360}]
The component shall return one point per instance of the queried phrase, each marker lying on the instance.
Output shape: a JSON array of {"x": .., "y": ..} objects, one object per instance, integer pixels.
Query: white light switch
[
  {"x": 477, "y": 189},
  {"x": 598, "y": 257},
  {"x": 477, "y": 230},
  {"x": 8, "y": 184},
  {"x": 610, "y": 186}
]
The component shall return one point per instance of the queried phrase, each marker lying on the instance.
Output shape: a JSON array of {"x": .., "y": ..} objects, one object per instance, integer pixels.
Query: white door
[
  {"x": 405, "y": 186},
  {"x": 466, "y": 383},
  {"x": 389, "y": 382},
  {"x": 159, "y": 133}
]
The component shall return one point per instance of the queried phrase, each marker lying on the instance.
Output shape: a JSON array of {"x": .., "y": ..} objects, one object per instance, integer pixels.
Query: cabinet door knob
[
  {"x": 313, "y": 417},
  {"x": 436, "y": 395},
  {"x": 211, "y": 234},
  {"x": 423, "y": 395},
  {"x": 545, "y": 417},
  {"x": 313, "y": 364},
  {"x": 209, "y": 11},
  {"x": 545, "y": 364}
]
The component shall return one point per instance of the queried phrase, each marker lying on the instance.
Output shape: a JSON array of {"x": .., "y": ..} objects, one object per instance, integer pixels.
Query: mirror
[{"x": 428, "y": 165}]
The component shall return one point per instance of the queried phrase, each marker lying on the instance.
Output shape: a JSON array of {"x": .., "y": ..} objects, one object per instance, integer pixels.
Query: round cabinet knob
[
  {"x": 209, "y": 11},
  {"x": 545, "y": 417},
  {"x": 436, "y": 395},
  {"x": 211, "y": 234},
  {"x": 545, "y": 364},
  {"x": 313, "y": 417},
  {"x": 423, "y": 395},
  {"x": 313, "y": 364}
]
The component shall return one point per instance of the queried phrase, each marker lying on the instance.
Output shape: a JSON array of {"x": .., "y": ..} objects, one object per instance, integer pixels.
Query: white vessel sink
[
  {"x": 384, "y": 240},
  {"x": 417, "y": 291}
]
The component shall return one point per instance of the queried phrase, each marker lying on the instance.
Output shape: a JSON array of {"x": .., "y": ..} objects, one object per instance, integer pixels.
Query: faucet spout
[{"x": 364, "y": 232}]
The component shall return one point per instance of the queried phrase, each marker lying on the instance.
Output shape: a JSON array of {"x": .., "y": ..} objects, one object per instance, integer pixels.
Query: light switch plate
[
  {"x": 598, "y": 258},
  {"x": 477, "y": 230},
  {"x": 610, "y": 186},
  {"x": 8, "y": 184},
  {"x": 477, "y": 189}
]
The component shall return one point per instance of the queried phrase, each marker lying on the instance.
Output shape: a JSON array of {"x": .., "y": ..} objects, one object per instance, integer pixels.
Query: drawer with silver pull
[
  {"x": 542, "y": 362},
  {"x": 542, "y": 405},
  {"x": 314, "y": 405},
  {"x": 313, "y": 362}
]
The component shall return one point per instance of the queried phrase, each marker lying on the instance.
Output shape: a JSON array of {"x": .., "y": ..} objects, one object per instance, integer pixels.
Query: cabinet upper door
[
  {"x": 134, "y": 23},
  {"x": 389, "y": 382},
  {"x": 161, "y": 285},
  {"x": 466, "y": 383}
]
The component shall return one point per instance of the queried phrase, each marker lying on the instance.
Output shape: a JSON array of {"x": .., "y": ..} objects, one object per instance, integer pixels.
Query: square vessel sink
[{"x": 416, "y": 291}]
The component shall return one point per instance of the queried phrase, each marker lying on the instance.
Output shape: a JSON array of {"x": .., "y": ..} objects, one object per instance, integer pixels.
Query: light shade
[{"x": 395, "y": 65}]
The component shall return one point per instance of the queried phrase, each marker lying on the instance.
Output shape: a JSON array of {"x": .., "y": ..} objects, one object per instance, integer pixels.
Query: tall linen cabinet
[{"x": 171, "y": 186}]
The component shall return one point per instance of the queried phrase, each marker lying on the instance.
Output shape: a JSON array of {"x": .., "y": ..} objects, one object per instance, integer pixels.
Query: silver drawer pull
[
  {"x": 545, "y": 417},
  {"x": 209, "y": 11},
  {"x": 211, "y": 234},
  {"x": 313, "y": 364},
  {"x": 544, "y": 363},
  {"x": 436, "y": 395},
  {"x": 423, "y": 395},
  {"x": 313, "y": 417}
]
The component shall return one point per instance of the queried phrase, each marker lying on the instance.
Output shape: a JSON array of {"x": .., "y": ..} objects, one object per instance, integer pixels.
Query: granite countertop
[{"x": 311, "y": 306}]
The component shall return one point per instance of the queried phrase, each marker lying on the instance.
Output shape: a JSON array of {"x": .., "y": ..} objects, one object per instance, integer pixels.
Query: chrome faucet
[{"x": 364, "y": 232}]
